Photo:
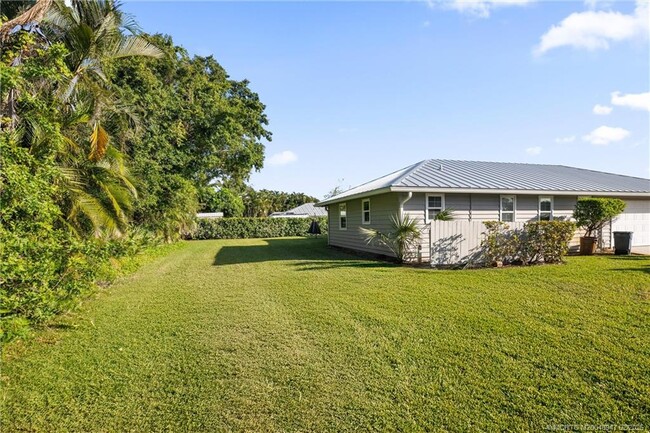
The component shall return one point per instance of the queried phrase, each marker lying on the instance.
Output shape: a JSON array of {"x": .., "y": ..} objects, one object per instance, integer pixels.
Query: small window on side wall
[
  {"x": 435, "y": 205},
  {"x": 507, "y": 209},
  {"x": 545, "y": 209},
  {"x": 365, "y": 211},
  {"x": 343, "y": 216}
]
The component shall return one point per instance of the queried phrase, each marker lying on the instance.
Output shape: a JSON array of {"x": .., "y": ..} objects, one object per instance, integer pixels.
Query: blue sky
[{"x": 355, "y": 90}]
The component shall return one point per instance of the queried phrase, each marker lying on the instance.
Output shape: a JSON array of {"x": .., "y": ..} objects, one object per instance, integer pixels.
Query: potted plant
[{"x": 591, "y": 214}]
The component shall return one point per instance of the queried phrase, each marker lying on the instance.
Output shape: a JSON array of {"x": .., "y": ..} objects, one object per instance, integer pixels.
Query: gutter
[{"x": 640, "y": 194}]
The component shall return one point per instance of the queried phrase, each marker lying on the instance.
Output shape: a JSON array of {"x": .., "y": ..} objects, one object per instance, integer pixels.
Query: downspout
[
  {"x": 402, "y": 201},
  {"x": 329, "y": 224},
  {"x": 409, "y": 195}
]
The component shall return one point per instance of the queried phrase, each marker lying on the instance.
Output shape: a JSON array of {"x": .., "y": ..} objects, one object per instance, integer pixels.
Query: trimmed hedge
[{"x": 243, "y": 228}]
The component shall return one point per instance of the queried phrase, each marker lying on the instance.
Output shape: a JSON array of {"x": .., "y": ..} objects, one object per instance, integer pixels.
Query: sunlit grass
[{"x": 288, "y": 335}]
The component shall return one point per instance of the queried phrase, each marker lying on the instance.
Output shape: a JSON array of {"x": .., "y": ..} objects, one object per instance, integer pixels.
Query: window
[
  {"x": 545, "y": 212},
  {"x": 365, "y": 211},
  {"x": 343, "y": 216},
  {"x": 507, "y": 211},
  {"x": 435, "y": 204}
]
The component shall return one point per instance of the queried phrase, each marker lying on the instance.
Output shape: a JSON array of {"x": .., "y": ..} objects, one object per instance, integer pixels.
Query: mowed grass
[{"x": 287, "y": 335}]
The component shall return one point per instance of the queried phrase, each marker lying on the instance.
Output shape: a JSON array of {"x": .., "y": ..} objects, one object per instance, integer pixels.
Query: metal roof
[
  {"x": 304, "y": 209},
  {"x": 481, "y": 176}
]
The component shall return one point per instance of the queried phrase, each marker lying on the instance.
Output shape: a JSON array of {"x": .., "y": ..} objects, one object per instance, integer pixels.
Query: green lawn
[{"x": 287, "y": 335}]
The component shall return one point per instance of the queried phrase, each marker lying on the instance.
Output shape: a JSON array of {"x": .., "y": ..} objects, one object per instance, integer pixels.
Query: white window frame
[
  {"x": 343, "y": 207},
  {"x": 539, "y": 207},
  {"x": 514, "y": 207},
  {"x": 427, "y": 208},
  {"x": 363, "y": 212}
]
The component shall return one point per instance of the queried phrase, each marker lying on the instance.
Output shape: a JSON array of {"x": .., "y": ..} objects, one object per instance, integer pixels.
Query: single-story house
[
  {"x": 474, "y": 192},
  {"x": 307, "y": 210}
]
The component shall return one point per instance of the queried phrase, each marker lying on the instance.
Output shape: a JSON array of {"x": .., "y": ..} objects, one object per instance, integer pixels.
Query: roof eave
[
  {"x": 519, "y": 191},
  {"x": 338, "y": 199}
]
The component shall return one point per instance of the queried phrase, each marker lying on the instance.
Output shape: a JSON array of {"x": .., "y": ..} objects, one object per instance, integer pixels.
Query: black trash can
[{"x": 622, "y": 243}]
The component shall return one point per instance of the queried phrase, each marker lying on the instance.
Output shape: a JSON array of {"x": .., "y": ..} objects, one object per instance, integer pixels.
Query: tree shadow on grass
[{"x": 313, "y": 253}]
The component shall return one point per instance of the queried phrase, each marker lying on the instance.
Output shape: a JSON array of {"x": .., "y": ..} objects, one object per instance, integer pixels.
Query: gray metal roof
[
  {"x": 308, "y": 209},
  {"x": 481, "y": 176}
]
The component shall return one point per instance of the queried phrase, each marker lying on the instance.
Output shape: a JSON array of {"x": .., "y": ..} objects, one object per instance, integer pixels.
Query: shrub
[
  {"x": 546, "y": 240},
  {"x": 243, "y": 228},
  {"x": 44, "y": 266},
  {"x": 500, "y": 244},
  {"x": 538, "y": 241},
  {"x": 592, "y": 214}
]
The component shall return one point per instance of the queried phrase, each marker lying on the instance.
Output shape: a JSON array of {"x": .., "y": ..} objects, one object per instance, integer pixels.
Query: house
[
  {"x": 474, "y": 192},
  {"x": 307, "y": 210}
]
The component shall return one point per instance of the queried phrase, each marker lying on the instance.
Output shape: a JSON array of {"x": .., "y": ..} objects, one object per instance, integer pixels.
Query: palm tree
[
  {"x": 403, "y": 240},
  {"x": 98, "y": 185}
]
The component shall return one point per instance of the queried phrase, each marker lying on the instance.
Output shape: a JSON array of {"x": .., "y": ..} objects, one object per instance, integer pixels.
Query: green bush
[
  {"x": 538, "y": 241},
  {"x": 500, "y": 243},
  {"x": 592, "y": 214},
  {"x": 44, "y": 266},
  {"x": 546, "y": 241},
  {"x": 242, "y": 228}
]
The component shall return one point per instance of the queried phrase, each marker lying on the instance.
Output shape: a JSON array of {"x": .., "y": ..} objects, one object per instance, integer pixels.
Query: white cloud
[
  {"x": 602, "y": 110},
  {"x": 593, "y": 30},
  {"x": 536, "y": 150},
  {"x": 564, "y": 140},
  {"x": 603, "y": 135},
  {"x": 478, "y": 8},
  {"x": 283, "y": 158},
  {"x": 639, "y": 101}
]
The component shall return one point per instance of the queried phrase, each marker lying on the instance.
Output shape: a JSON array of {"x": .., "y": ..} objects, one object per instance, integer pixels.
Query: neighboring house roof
[
  {"x": 497, "y": 177},
  {"x": 307, "y": 209}
]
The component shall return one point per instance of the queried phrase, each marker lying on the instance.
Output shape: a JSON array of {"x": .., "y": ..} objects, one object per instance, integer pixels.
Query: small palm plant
[{"x": 403, "y": 239}]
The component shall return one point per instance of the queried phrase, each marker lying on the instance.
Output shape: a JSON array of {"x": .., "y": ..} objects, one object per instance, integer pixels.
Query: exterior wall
[
  {"x": 382, "y": 207},
  {"x": 635, "y": 218},
  {"x": 466, "y": 207}
]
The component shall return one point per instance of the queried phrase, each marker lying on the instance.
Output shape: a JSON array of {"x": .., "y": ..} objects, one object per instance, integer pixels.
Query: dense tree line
[
  {"x": 108, "y": 139},
  {"x": 250, "y": 202}
]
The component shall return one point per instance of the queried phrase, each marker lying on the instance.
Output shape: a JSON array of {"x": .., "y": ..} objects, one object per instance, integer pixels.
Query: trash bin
[{"x": 622, "y": 243}]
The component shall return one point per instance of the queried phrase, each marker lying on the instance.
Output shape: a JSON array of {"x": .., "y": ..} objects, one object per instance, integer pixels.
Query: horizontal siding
[
  {"x": 466, "y": 207},
  {"x": 416, "y": 209},
  {"x": 382, "y": 207},
  {"x": 485, "y": 207}
]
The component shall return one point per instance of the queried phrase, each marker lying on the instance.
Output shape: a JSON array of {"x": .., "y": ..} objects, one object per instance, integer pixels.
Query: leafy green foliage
[
  {"x": 224, "y": 200},
  {"x": 242, "y": 228},
  {"x": 446, "y": 214},
  {"x": 264, "y": 202},
  {"x": 107, "y": 135},
  {"x": 500, "y": 243},
  {"x": 403, "y": 240},
  {"x": 546, "y": 241},
  {"x": 538, "y": 241},
  {"x": 592, "y": 214}
]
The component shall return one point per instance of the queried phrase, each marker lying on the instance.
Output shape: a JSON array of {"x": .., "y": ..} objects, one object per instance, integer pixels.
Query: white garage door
[{"x": 635, "y": 218}]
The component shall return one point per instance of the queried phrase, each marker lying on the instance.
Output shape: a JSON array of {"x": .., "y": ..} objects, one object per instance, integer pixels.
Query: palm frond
[
  {"x": 132, "y": 46},
  {"x": 98, "y": 143}
]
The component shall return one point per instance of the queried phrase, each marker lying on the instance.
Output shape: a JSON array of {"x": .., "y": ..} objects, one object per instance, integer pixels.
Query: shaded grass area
[{"x": 288, "y": 335}]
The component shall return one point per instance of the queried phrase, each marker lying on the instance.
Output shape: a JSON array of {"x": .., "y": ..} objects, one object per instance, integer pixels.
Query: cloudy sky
[{"x": 355, "y": 90}]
